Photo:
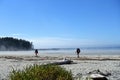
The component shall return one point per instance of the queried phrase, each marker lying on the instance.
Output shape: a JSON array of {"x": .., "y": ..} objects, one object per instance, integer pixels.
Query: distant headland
[{"x": 14, "y": 44}]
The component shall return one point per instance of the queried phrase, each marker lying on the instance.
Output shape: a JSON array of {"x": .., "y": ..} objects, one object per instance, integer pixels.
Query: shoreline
[{"x": 83, "y": 57}]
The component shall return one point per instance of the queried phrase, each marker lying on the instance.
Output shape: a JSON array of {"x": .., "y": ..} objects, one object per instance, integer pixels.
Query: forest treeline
[{"x": 11, "y": 44}]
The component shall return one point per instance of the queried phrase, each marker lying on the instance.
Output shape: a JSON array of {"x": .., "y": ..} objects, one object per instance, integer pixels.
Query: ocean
[{"x": 66, "y": 51}]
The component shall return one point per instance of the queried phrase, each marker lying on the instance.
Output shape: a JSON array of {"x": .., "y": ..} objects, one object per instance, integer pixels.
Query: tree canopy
[{"x": 10, "y": 43}]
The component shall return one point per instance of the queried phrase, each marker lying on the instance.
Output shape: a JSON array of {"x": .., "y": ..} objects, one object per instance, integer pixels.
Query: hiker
[
  {"x": 78, "y": 52},
  {"x": 36, "y": 52}
]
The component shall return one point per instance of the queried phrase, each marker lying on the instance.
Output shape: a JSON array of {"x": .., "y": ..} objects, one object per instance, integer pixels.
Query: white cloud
[
  {"x": 20, "y": 36},
  {"x": 16, "y": 34},
  {"x": 54, "y": 42}
]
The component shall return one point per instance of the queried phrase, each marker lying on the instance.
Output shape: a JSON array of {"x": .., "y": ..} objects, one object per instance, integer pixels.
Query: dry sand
[{"x": 84, "y": 64}]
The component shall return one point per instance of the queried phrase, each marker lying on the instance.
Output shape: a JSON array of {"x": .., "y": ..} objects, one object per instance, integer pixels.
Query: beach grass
[{"x": 41, "y": 72}]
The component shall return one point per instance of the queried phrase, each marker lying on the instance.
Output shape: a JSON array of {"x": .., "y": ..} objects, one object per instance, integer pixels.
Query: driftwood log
[
  {"x": 63, "y": 62},
  {"x": 98, "y": 75}
]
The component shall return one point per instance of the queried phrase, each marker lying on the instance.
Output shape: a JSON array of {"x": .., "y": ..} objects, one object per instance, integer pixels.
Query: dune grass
[{"x": 41, "y": 72}]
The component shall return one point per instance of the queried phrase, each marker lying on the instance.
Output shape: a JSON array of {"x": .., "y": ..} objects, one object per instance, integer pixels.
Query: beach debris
[
  {"x": 99, "y": 72},
  {"x": 64, "y": 61},
  {"x": 12, "y": 57},
  {"x": 93, "y": 75},
  {"x": 98, "y": 75}
]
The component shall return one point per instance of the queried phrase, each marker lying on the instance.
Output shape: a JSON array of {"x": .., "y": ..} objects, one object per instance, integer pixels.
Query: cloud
[
  {"x": 19, "y": 35},
  {"x": 16, "y": 34},
  {"x": 55, "y": 42}
]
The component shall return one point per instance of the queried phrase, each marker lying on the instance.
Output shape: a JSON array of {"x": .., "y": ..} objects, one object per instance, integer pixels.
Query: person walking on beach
[
  {"x": 78, "y": 52},
  {"x": 36, "y": 52}
]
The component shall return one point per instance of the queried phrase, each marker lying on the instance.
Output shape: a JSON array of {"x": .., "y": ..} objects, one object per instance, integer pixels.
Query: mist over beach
[{"x": 67, "y": 51}]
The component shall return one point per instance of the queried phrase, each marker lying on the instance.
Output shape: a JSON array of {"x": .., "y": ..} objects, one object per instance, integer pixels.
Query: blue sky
[{"x": 62, "y": 23}]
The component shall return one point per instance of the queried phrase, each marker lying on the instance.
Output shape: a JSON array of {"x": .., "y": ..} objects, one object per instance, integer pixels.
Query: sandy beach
[{"x": 82, "y": 65}]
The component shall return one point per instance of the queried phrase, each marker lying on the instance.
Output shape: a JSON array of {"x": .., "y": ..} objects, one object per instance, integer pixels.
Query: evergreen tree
[{"x": 10, "y": 43}]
